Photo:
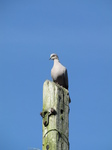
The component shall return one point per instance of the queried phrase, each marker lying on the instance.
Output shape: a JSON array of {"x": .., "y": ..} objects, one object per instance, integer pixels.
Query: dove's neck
[{"x": 56, "y": 61}]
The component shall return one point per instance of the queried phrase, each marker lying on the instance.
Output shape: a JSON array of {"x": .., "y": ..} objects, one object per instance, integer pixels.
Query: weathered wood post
[{"x": 55, "y": 117}]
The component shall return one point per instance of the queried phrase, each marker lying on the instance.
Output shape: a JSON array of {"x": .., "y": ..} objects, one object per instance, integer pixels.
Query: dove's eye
[{"x": 53, "y": 55}]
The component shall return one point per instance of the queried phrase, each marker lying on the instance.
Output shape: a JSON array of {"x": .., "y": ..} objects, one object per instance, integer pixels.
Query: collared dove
[{"x": 59, "y": 72}]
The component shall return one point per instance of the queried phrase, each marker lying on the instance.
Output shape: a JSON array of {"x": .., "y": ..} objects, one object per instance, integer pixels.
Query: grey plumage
[{"x": 59, "y": 72}]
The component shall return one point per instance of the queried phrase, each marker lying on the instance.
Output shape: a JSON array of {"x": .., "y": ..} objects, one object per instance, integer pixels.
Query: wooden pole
[{"x": 55, "y": 117}]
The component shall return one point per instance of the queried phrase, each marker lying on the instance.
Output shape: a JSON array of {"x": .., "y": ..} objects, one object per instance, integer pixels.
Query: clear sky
[{"x": 80, "y": 32}]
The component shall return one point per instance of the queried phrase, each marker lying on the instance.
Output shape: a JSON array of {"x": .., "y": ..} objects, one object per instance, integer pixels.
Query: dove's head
[{"x": 54, "y": 56}]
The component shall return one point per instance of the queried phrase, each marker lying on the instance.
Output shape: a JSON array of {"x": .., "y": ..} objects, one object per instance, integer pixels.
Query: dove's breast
[{"x": 57, "y": 74}]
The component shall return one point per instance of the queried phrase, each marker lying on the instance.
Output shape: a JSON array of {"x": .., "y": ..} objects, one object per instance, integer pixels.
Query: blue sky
[{"x": 80, "y": 32}]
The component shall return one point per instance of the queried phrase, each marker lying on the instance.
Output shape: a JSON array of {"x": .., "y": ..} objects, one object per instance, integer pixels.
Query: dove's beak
[{"x": 50, "y": 58}]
